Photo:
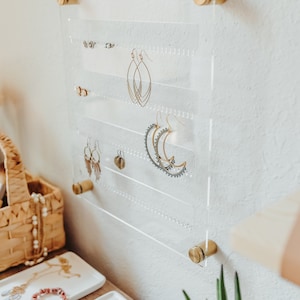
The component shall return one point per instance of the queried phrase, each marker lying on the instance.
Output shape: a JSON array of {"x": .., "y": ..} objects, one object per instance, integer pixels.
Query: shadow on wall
[
  {"x": 244, "y": 11},
  {"x": 10, "y": 100}
]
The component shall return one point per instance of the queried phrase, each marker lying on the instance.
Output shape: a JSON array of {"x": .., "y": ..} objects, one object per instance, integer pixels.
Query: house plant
[{"x": 221, "y": 289}]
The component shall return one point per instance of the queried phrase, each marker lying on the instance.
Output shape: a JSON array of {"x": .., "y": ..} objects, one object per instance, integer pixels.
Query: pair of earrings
[
  {"x": 136, "y": 73},
  {"x": 155, "y": 144},
  {"x": 92, "y": 158}
]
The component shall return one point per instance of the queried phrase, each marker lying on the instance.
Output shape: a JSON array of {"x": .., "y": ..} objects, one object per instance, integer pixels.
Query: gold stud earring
[{"x": 81, "y": 91}]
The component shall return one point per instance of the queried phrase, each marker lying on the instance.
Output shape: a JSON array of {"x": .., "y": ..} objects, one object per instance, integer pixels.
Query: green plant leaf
[
  {"x": 238, "y": 295},
  {"x": 186, "y": 295},
  {"x": 222, "y": 285},
  {"x": 219, "y": 294}
]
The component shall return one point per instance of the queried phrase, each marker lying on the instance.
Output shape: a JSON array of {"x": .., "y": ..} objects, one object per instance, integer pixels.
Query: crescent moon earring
[
  {"x": 173, "y": 169},
  {"x": 150, "y": 139}
]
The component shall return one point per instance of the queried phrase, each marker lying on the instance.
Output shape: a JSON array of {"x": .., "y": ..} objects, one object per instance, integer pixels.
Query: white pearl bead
[
  {"x": 34, "y": 217},
  {"x": 35, "y": 246},
  {"x": 42, "y": 200},
  {"x": 35, "y": 242},
  {"x": 34, "y": 223},
  {"x": 34, "y": 232}
]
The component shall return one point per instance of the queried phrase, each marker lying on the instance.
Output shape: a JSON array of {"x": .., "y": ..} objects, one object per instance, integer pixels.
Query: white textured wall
[{"x": 255, "y": 144}]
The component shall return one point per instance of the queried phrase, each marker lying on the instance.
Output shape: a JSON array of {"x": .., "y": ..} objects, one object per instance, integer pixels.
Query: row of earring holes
[
  {"x": 158, "y": 108},
  {"x": 152, "y": 210}
]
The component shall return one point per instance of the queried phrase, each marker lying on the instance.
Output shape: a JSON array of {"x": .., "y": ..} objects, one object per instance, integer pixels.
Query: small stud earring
[{"x": 81, "y": 91}]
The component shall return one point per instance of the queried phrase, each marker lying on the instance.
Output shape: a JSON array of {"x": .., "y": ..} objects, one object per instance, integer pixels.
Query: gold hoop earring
[
  {"x": 88, "y": 157},
  {"x": 95, "y": 159}
]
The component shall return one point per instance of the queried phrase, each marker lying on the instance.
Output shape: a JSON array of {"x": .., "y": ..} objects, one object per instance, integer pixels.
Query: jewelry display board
[{"x": 140, "y": 86}]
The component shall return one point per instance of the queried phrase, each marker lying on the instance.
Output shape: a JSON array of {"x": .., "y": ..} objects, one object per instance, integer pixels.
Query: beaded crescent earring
[
  {"x": 149, "y": 141},
  {"x": 156, "y": 150},
  {"x": 150, "y": 146},
  {"x": 173, "y": 169}
]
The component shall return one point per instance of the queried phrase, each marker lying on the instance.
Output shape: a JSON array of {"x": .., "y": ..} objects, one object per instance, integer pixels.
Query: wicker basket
[{"x": 31, "y": 225}]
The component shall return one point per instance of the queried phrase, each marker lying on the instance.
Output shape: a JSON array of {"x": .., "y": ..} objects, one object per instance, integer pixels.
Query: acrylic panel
[{"x": 168, "y": 204}]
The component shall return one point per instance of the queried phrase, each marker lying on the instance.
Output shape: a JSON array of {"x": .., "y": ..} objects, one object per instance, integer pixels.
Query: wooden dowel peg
[
  {"x": 67, "y": 2},
  {"x": 203, "y": 250},
  {"x": 207, "y": 2},
  {"x": 82, "y": 187}
]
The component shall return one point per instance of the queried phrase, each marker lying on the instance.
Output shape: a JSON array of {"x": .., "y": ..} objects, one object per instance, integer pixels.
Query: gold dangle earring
[
  {"x": 88, "y": 157},
  {"x": 149, "y": 140},
  {"x": 172, "y": 169},
  {"x": 141, "y": 98},
  {"x": 95, "y": 159},
  {"x": 131, "y": 72},
  {"x": 120, "y": 160}
]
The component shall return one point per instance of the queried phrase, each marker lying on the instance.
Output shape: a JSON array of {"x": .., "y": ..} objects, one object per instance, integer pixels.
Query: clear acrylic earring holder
[{"x": 171, "y": 211}]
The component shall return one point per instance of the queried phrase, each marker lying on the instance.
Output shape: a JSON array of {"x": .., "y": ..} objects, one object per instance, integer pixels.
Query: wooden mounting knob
[
  {"x": 82, "y": 187},
  {"x": 205, "y": 249}
]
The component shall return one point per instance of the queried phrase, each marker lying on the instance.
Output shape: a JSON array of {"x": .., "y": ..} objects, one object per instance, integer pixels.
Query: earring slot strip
[
  {"x": 179, "y": 221},
  {"x": 187, "y": 35}
]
